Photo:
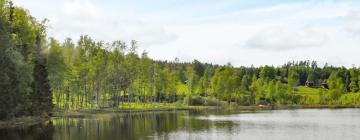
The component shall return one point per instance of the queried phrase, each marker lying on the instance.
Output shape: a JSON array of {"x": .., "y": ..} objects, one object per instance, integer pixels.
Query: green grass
[
  {"x": 145, "y": 106},
  {"x": 302, "y": 90},
  {"x": 350, "y": 99},
  {"x": 310, "y": 96}
]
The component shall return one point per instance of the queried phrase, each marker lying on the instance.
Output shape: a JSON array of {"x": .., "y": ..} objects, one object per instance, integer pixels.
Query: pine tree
[
  {"x": 42, "y": 96},
  {"x": 8, "y": 76},
  {"x": 354, "y": 80}
]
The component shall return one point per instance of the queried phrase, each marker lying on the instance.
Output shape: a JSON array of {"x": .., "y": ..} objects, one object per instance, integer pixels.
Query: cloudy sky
[{"x": 242, "y": 32}]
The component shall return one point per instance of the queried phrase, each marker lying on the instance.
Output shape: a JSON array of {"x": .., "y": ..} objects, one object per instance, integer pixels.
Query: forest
[{"x": 39, "y": 74}]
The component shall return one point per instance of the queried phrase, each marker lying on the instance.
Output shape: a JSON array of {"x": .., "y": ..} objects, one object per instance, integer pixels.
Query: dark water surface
[{"x": 303, "y": 124}]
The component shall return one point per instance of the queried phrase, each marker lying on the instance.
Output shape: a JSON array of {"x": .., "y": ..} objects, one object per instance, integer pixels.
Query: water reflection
[
  {"x": 132, "y": 126},
  {"x": 43, "y": 131},
  {"x": 198, "y": 125}
]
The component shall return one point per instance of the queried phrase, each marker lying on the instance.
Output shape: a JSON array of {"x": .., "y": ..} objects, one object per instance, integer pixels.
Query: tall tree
[
  {"x": 8, "y": 75},
  {"x": 354, "y": 80},
  {"x": 293, "y": 81}
]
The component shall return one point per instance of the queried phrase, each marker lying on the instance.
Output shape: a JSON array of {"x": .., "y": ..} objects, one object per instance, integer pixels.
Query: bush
[
  {"x": 194, "y": 100},
  {"x": 349, "y": 99},
  {"x": 197, "y": 100},
  {"x": 211, "y": 102},
  {"x": 335, "y": 94},
  {"x": 204, "y": 101}
]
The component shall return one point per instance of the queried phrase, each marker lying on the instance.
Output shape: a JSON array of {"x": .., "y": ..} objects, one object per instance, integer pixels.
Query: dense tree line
[
  {"x": 24, "y": 85},
  {"x": 37, "y": 71},
  {"x": 94, "y": 74}
]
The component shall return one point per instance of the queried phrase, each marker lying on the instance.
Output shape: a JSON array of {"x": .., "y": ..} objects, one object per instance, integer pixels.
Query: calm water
[{"x": 302, "y": 124}]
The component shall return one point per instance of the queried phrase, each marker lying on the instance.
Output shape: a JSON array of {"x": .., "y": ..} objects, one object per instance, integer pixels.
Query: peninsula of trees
[{"x": 39, "y": 74}]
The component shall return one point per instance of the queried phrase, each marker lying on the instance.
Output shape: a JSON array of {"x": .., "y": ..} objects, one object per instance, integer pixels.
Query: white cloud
[
  {"x": 286, "y": 38},
  {"x": 80, "y": 8},
  {"x": 214, "y": 31},
  {"x": 72, "y": 18},
  {"x": 353, "y": 22}
]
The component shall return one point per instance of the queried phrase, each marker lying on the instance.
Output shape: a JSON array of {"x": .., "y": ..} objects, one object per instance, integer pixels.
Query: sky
[{"x": 240, "y": 32}]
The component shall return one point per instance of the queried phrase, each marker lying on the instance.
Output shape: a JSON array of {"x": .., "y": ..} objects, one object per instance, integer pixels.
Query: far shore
[{"x": 84, "y": 113}]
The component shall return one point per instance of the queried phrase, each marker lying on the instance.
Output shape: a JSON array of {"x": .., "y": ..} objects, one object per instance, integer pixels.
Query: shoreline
[
  {"x": 82, "y": 113},
  {"x": 33, "y": 120}
]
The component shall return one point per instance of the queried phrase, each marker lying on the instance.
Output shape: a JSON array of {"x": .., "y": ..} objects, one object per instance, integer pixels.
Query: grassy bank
[{"x": 137, "y": 107}]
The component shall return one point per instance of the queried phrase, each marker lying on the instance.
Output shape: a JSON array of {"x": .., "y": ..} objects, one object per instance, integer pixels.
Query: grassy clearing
[
  {"x": 302, "y": 90},
  {"x": 146, "y": 106}
]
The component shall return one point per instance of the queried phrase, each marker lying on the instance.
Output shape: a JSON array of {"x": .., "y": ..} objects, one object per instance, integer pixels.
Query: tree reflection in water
[
  {"x": 126, "y": 126},
  {"x": 42, "y": 131}
]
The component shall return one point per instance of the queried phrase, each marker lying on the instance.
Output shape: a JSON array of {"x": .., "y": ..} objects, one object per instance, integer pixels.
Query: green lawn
[
  {"x": 150, "y": 106},
  {"x": 302, "y": 90}
]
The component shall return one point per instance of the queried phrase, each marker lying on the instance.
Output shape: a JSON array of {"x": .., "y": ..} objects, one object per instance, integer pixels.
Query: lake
[{"x": 301, "y": 124}]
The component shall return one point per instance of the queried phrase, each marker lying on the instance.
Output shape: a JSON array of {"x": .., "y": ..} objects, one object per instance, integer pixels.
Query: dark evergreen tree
[
  {"x": 8, "y": 76},
  {"x": 42, "y": 96}
]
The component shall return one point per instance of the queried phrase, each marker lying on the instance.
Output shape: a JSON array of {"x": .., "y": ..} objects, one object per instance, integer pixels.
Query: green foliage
[
  {"x": 41, "y": 99},
  {"x": 37, "y": 72},
  {"x": 281, "y": 95},
  {"x": 349, "y": 99},
  {"x": 197, "y": 100},
  {"x": 354, "y": 87},
  {"x": 8, "y": 75},
  {"x": 293, "y": 78},
  {"x": 205, "y": 101},
  {"x": 312, "y": 76},
  {"x": 24, "y": 87},
  {"x": 267, "y": 73},
  {"x": 322, "y": 97},
  {"x": 271, "y": 91}
]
